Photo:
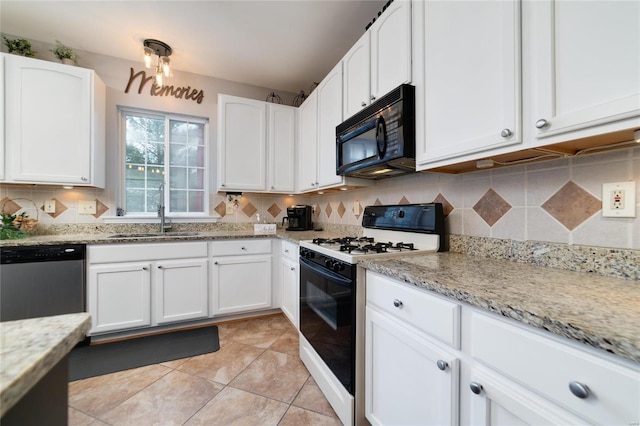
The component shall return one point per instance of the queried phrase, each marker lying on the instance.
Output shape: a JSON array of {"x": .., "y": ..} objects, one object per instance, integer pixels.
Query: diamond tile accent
[
  {"x": 328, "y": 210},
  {"x": 274, "y": 210},
  {"x": 221, "y": 209},
  {"x": 7, "y": 205},
  {"x": 249, "y": 209},
  {"x": 60, "y": 208},
  {"x": 359, "y": 208},
  {"x": 571, "y": 205},
  {"x": 447, "y": 208},
  {"x": 341, "y": 209},
  {"x": 101, "y": 208},
  {"x": 404, "y": 200},
  {"x": 491, "y": 207},
  {"x": 316, "y": 211},
  {"x": 377, "y": 202}
]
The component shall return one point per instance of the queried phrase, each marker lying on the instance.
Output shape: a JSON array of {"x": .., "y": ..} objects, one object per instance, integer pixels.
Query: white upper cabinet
[
  {"x": 468, "y": 95},
  {"x": 380, "y": 61},
  {"x": 256, "y": 145},
  {"x": 357, "y": 76},
  {"x": 307, "y": 144},
  {"x": 281, "y": 142},
  {"x": 391, "y": 49},
  {"x": 55, "y": 130},
  {"x": 585, "y": 59},
  {"x": 329, "y": 116},
  {"x": 242, "y": 148}
]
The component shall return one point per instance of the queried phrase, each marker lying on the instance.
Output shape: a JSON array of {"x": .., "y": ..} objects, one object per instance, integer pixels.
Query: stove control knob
[
  {"x": 328, "y": 263},
  {"x": 338, "y": 266}
]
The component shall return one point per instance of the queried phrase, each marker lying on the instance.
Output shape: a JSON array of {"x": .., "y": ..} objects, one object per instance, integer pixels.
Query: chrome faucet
[{"x": 163, "y": 225}]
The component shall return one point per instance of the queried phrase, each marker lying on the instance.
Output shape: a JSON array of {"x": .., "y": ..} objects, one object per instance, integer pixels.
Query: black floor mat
[{"x": 95, "y": 360}]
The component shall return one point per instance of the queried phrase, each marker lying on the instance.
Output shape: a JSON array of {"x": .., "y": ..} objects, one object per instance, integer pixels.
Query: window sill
[{"x": 156, "y": 219}]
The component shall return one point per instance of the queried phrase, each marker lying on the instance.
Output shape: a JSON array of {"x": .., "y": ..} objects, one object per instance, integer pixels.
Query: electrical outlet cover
[
  {"x": 50, "y": 206},
  {"x": 619, "y": 199},
  {"x": 87, "y": 207}
]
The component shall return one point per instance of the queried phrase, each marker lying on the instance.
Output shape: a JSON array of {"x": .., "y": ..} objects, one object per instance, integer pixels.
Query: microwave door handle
[{"x": 381, "y": 137}]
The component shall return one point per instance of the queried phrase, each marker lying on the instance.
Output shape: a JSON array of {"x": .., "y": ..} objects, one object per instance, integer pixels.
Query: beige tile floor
[{"x": 256, "y": 378}]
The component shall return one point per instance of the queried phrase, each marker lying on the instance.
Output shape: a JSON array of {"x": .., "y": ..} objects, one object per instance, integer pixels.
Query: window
[{"x": 165, "y": 148}]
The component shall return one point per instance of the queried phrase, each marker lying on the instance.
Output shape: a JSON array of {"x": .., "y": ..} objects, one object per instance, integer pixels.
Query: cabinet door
[
  {"x": 290, "y": 290},
  {"x": 181, "y": 290},
  {"x": 48, "y": 121},
  {"x": 242, "y": 148},
  {"x": 471, "y": 84},
  {"x": 329, "y": 116},
  {"x": 403, "y": 383},
  {"x": 307, "y": 144},
  {"x": 584, "y": 78},
  {"x": 496, "y": 401},
  {"x": 357, "y": 77},
  {"x": 281, "y": 142},
  {"x": 391, "y": 49},
  {"x": 119, "y": 296},
  {"x": 240, "y": 283}
]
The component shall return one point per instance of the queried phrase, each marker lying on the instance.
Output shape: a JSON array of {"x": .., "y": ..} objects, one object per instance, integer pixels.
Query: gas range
[{"x": 388, "y": 230}]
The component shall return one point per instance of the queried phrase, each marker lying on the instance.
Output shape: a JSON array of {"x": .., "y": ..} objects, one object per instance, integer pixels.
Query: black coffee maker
[{"x": 298, "y": 218}]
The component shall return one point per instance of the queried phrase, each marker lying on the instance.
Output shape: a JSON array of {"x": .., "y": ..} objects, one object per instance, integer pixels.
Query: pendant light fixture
[{"x": 162, "y": 51}]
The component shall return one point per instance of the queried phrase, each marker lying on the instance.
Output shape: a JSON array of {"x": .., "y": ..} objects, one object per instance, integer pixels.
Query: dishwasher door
[{"x": 41, "y": 281}]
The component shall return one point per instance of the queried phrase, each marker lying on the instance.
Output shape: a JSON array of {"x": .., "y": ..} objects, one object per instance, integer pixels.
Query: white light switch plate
[
  {"x": 50, "y": 206},
  {"x": 619, "y": 199}
]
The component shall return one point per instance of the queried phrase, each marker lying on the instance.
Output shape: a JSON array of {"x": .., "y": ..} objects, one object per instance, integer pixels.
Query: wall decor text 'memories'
[{"x": 164, "y": 90}]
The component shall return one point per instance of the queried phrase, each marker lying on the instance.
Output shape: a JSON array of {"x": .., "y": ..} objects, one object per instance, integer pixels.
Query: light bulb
[
  {"x": 165, "y": 66},
  {"x": 147, "y": 57},
  {"x": 158, "y": 77}
]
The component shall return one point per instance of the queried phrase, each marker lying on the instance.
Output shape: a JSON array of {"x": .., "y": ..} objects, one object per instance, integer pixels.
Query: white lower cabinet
[
  {"x": 409, "y": 381},
  {"x": 290, "y": 277},
  {"x": 509, "y": 373},
  {"x": 240, "y": 276},
  {"x": 119, "y": 296},
  {"x": 134, "y": 286},
  {"x": 181, "y": 290}
]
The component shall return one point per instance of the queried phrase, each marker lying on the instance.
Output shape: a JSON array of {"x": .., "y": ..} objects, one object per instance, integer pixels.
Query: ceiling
[{"x": 281, "y": 45}]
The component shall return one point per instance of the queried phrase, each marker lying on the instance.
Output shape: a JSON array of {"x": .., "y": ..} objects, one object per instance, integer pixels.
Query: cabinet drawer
[
  {"x": 428, "y": 313},
  {"x": 236, "y": 247},
  {"x": 289, "y": 250},
  {"x": 548, "y": 366},
  {"x": 138, "y": 252}
]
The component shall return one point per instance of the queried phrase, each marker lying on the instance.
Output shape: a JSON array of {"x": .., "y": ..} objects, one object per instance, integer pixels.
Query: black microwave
[{"x": 380, "y": 140}]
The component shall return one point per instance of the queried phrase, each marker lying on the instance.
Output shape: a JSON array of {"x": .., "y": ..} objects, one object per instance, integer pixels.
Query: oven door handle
[{"x": 330, "y": 275}]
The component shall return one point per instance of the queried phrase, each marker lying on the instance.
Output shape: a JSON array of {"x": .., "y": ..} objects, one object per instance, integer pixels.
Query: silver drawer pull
[
  {"x": 579, "y": 390},
  {"x": 243, "y": 248},
  {"x": 476, "y": 387},
  {"x": 505, "y": 133},
  {"x": 144, "y": 268},
  {"x": 397, "y": 303},
  {"x": 542, "y": 123},
  {"x": 293, "y": 269},
  {"x": 442, "y": 365}
]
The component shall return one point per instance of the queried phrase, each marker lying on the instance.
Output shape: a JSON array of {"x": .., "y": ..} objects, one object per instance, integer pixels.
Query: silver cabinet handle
[
  {"x": 397, "y": 303},
  {"x": 293, "y": 269},
  {"x": 578, "y": 389},
  {"x": 442, "y": 365},
  {"x": 243, "y": 248},
  {"x": 476, "y": 388},
  {"x": 222, "y": 184},
  {"x": 215, "y": 263},
  {"x": 273, "y": 187},
  {"x": 373, "y": 98},
  {"x": 159, "y": 267},
  {"x": 542, "y": 123},
  {"x": 505, "y": 133},
  {"x": 364, "y": 104},
  {"x": 144, "y": 268},
  {"x": 286, "y": 250},
  {"x": 84, "y": 179}
]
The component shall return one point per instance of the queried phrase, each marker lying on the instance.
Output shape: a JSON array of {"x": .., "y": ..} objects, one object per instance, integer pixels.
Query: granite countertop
[
  {"x": 117, "y": 238},
  {"x": 31, "y": 347},
  {"x": 600, "y": 311}
]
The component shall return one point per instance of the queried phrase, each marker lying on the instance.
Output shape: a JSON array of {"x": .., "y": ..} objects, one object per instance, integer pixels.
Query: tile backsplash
[{"x": 555, "y": 201}]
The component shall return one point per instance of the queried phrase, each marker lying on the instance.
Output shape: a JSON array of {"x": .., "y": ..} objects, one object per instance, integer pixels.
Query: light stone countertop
[
  {"x": 599, "y": 311},
  {"x": 30, "y": 348}
]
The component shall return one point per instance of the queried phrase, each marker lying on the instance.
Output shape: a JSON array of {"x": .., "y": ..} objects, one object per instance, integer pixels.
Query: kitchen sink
[{"x": 156, "y": 235}]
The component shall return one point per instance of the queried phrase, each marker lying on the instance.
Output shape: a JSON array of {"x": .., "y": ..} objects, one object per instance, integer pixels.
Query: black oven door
[{"x": 327, "y": 318}]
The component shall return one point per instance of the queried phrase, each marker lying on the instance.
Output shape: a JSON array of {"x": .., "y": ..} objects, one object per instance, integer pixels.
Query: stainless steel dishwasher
[{"x": 39, "y": 281}]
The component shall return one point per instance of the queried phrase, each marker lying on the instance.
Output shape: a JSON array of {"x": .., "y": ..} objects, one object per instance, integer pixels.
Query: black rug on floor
[{"x": 95, "y": 360}]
